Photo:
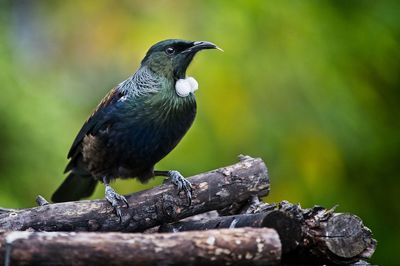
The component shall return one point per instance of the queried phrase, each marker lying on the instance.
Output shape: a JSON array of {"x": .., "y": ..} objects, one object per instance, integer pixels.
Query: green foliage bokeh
[{"x": 312, "y": 87}]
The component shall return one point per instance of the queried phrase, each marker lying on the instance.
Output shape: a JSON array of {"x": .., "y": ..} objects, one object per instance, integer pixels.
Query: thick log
[
  {"x": 315, "y": 235},
  {"x": 247, "y": 246},
  {"x": 213, "y": 190}
]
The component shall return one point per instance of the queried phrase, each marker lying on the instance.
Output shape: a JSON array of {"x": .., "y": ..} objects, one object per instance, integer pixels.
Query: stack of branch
[{"x": 225, "y": 224}]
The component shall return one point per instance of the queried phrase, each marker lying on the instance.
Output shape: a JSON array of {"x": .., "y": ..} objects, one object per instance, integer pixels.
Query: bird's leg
[
  {"x": 114, "y": 198},
  {"x": 178, "y": 180}
]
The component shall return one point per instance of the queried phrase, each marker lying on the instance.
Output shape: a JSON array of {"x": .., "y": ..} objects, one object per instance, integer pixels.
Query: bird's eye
[{"x": 170, "y": 50}]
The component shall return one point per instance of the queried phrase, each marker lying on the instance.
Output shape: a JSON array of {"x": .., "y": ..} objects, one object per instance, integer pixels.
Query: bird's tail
[{"x": 74, "y": 187}]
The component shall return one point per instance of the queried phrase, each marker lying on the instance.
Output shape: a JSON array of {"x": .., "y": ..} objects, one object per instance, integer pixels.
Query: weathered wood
[
  {"x": 234, "y": 221},
  {"x": 315, "y": 235},
  {"x": 308, "y": 236},
  {"x": 288, "y": 226},
  {"x": 247, "y": 246},
  {"x": 4, "y": 210},
  {"x": 211, "y": 191}
]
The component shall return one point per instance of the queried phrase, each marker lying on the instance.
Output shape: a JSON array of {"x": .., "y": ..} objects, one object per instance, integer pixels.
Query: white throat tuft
[{"x": 186, "y": 86}]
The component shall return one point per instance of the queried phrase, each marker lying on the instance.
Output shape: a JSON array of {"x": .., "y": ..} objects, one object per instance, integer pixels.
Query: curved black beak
[
  {"x": 187, "y": 55},
  {"x": 201, "y": 45}
]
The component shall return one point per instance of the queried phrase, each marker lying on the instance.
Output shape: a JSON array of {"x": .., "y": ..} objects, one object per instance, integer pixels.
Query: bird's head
[{"x": 172, "y": 57}]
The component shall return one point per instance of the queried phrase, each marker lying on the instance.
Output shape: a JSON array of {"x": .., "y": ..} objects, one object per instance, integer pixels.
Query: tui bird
[{"x": 136, "y": 125}]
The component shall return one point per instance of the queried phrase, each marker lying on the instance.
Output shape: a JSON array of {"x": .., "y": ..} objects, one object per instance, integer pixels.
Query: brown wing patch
[
  {"x": 93, "y": 153},
  {"x": 111, "y": 97}
]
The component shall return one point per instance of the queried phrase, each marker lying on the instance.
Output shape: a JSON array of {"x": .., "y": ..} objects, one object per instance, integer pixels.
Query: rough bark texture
[
  {"x": 315, "y": 235},
  {"x": 326, "y": 236},
  {"x": 247, "y": 246},
  {"x": 224, "y": 198},
  {"x": 213, "y": 190},
  {"x": 234, "y": 221},
  {"x": 4, "y": 210}
]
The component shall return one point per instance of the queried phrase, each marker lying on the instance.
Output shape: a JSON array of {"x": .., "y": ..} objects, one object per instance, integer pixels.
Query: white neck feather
[{"x": 186, "y": 86}]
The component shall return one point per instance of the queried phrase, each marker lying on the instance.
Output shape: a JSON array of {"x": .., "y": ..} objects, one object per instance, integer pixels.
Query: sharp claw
[
  {"x": 119, "y": 213},
  {"x": 182, "y": 184},
  {"x": 189, "y": 195},
  {"x": 113, "y": 198},
  {"x": 125, "y": 201},
  {"x": 190, "y": 200}
]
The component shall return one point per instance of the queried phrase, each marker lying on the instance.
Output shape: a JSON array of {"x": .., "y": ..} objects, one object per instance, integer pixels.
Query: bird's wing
[{"x": 97, "y": 119}]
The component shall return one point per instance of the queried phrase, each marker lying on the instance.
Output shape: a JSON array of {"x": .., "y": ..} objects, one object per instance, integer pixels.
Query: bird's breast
[{"x": 151, "y": 129}]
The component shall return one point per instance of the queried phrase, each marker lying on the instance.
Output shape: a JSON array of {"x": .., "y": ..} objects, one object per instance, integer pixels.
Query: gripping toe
[
  {"x": 116, "y": 200},
  {"x": 182, "y": 183}
]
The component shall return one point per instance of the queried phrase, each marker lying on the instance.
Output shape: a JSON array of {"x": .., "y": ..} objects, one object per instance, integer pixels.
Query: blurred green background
[{"x": 312, "y": 87}]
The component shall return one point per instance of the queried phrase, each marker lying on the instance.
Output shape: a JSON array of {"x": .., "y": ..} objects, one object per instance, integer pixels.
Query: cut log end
[{"x": 347, "y": 237}]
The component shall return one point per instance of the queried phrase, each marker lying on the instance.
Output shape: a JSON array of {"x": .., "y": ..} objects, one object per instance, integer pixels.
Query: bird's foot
[
  {"x": 116, "y": 200},
  {"x": 182, "y": 183}
]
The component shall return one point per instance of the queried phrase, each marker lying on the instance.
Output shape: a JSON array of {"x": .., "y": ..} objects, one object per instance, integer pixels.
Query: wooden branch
[
  {"x": 234, "y": 221},
  {"x": 314, "y": 235},
  {"x": 4, "y": 210},
  {"x": 308, "y": 236},
  {"x": 211, "y": 191},
  {"x": 245, "y": 246}
]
